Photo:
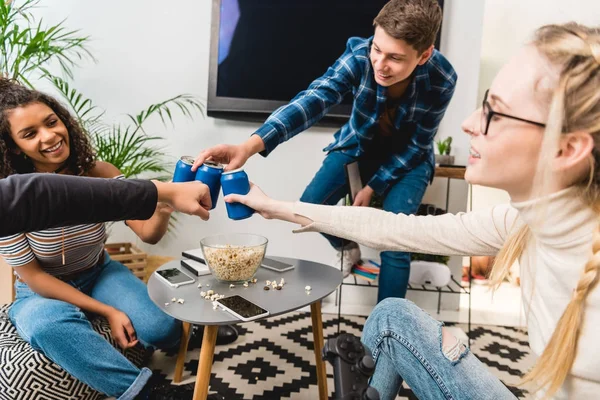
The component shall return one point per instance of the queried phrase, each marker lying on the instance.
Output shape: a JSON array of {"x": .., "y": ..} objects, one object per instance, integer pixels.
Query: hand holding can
[
  {"x": 209, "y": 173},
  {"x": 236, "y": 182}
]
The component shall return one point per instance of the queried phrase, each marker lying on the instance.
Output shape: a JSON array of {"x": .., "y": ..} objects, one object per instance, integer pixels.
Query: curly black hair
[{"x": 82, "y": 157}]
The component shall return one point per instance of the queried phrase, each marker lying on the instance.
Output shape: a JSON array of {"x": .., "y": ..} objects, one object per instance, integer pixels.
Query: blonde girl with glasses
[{"x": 537, "y": 136}]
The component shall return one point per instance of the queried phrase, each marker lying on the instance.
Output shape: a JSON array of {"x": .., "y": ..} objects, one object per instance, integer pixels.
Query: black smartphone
[
  {"x": 242, "y": 308},
  {"x": 275, "y": 265}
]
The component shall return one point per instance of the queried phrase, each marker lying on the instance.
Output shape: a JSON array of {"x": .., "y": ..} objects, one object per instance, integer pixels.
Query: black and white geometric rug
[{"x": 274, "y": 358}]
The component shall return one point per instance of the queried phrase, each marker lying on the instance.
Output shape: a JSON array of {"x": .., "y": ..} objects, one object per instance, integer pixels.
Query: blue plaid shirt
[{"x": 418, "y": 115}]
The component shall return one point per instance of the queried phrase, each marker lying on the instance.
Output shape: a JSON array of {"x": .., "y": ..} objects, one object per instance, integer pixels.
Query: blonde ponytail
[
  {"x": 555, "y": 363},
  {"x": 508, "y": 255}
]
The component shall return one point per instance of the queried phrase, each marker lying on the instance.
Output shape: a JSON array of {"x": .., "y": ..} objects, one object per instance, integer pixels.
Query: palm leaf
[
  {"x": 186, "y": 103},
  {"x": 28, "y": 45},
  {"x": 84, "y": 109},
  {"x": 132, "y": 153}
]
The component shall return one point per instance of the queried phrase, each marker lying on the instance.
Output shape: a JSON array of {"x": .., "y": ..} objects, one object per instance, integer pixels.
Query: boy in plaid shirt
[{"x": 401, "y": 86}]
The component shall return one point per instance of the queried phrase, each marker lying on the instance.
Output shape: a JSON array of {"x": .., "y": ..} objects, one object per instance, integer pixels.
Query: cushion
[{"x": 27, "y": 374}]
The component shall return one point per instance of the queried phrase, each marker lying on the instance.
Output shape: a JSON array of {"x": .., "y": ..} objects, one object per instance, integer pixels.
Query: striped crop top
[{"x": 83, "y": 245}]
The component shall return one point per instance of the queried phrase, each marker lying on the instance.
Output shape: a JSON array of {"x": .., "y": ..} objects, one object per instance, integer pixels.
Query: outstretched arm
[
  {"x": 474, "y": 233},
  {"x": 39, "y": 201}
]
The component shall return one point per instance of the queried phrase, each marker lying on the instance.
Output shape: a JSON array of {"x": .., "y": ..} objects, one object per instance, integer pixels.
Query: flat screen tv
[{"x": 263, "y": 52}]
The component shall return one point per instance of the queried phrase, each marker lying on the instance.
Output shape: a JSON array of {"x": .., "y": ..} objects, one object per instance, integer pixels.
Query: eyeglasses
[{"x": 487, "y": 114}]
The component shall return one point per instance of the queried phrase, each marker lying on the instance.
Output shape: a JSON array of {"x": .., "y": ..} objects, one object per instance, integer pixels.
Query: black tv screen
[{"x": 263, "y": 52}]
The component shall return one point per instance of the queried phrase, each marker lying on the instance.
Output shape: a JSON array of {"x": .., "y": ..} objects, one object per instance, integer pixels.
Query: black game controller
[{"x": 353, "y": 365}]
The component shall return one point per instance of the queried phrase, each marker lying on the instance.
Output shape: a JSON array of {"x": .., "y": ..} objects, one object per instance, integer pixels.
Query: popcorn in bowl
[{"x": 234, "y": 258}]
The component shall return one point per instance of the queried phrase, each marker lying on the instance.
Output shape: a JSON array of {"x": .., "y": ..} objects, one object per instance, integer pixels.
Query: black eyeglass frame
[{"x": 486, "y": 119}]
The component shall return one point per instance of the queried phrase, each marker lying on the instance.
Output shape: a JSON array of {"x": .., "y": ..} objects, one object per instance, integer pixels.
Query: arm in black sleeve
[{"x": 39, "y": 201}]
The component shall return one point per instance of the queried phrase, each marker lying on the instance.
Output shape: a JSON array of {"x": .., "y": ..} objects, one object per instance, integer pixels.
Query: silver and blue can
[
  {"x": 183, "y": 170},
  {"x": 236, "y": 181},
  {"x": 209, "y": 173}
]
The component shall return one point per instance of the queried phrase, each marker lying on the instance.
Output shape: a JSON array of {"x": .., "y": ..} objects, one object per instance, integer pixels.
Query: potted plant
[{"x": 444, "y": 147}]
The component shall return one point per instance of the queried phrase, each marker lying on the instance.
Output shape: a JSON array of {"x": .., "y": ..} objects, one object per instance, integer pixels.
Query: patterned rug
[{"x": 274, "y": 358}]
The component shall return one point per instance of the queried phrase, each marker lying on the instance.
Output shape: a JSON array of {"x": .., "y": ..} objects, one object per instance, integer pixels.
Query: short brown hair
[{"x": 417, "y": 22}]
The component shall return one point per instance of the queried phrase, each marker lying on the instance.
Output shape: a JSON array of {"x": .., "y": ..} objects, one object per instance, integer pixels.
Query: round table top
[{"x": 323, "y": 279}]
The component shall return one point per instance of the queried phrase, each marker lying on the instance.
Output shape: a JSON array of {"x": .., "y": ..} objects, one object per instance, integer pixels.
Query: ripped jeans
[
  {"x": 407, "y": 344},
  {"x": 403, "y": 196}
]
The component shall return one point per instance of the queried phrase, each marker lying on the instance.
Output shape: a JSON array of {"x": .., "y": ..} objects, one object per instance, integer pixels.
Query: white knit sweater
[{"x": 551, "y": 263}]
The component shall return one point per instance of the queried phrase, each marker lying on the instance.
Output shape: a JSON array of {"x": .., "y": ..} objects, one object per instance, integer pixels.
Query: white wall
[
  {"x": 148, "y": 51},
  {"x": 505, "y": 30}
]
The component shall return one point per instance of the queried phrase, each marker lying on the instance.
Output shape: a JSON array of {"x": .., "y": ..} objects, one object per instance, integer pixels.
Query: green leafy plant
[
  {"x": 444, "y": 146},
  {"x": 27, "y": 47},
  {"x": 430, "y": 258}
]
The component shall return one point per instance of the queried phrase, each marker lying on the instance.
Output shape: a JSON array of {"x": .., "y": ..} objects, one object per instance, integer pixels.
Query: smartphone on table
[
  {"x": 195, "y": 267},
  {"x": 275, "y": 265},
  {"x": 174, "y": 277},
  {"x": 242, "y": 308}
]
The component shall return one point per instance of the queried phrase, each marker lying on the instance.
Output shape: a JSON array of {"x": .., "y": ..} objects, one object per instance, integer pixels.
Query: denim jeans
[
  {"x": 329, "y": 185},
  {"x": 63, "y": 333},
  {"x": 406, "y": 343}
]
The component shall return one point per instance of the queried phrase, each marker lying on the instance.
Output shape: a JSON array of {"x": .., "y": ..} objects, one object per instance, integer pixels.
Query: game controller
[{"x": 353, "y": 365}]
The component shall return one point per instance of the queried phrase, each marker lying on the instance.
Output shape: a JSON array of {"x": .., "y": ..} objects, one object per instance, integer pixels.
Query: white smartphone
[
  {"x": 242, "y": 308},
  {"x": 174, "y": 277},
  {"x": 275, "y": 265},
  {"x": 353, "y": 178}
]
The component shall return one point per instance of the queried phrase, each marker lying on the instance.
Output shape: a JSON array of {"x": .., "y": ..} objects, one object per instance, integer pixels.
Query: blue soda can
[
  {"x": 209, "y": 173},
  {"x": 236, "y": 181},
  {"x": 183, "y": 170}
]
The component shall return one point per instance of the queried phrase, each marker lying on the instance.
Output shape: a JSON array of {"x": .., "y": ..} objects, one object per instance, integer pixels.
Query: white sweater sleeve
[{"x": 473, "y": 233}]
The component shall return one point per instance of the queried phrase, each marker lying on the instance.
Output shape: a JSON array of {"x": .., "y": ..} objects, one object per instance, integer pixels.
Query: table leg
[
  {"x": 317, "y": 328},
  {"x": 207, "y": 351},
  {"x": 185, "y": 338}
]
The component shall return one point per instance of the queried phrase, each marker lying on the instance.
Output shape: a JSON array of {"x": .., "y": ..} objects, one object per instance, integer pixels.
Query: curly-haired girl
[{"x": 64, "y": 274}]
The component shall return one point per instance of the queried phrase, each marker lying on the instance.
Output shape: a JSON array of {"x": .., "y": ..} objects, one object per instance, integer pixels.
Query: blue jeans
[
  {"x": 329, "y": 185},
  {"x": 63, "y": 333},
  {"x": 406, "y": 343}
]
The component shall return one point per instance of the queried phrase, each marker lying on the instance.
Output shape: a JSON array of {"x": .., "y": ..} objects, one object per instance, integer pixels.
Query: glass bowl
[{"x": 234, "y": 257}]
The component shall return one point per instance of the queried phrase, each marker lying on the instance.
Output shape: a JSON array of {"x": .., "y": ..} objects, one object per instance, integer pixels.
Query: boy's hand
[
  {"x": 235, "y": 156},
  {"x": 363, "y": 198}
]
